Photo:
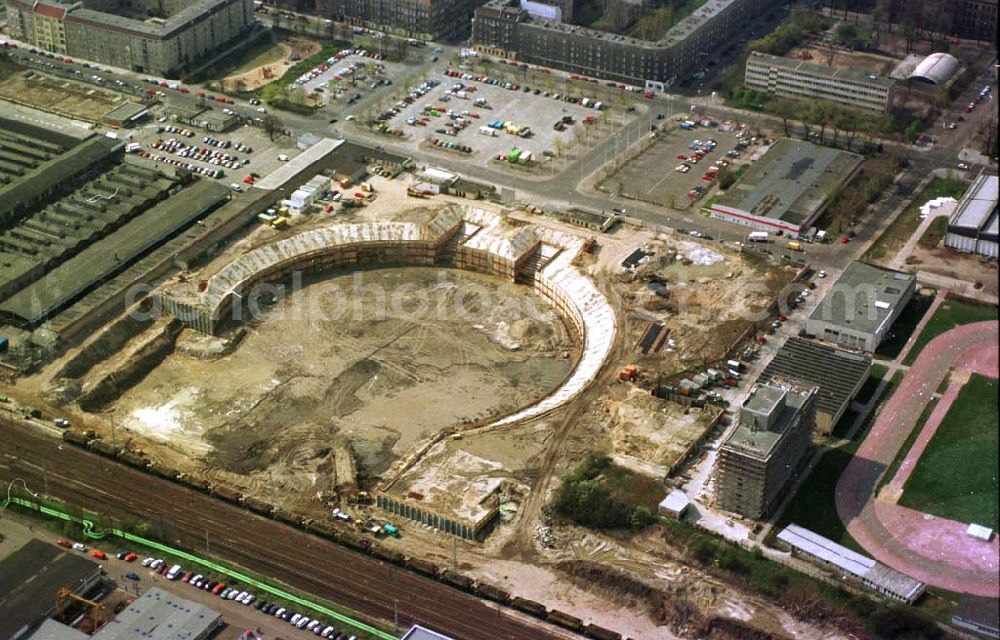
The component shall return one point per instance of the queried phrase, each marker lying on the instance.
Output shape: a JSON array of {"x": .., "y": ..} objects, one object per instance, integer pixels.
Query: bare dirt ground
[
  {"x": 61, "y": 96},
  {"x": 708, "y": 297},
  {"x": 257, "y": 77},
  {"x": 328, "y": 376},
  {"x": 954, "y": 264}
]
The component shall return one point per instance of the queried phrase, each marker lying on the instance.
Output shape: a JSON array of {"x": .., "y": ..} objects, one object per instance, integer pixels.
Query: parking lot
[
  {"x": 491, "y": 118},
  {"x": 343, "y": 75},
  {"x": 680, "y": 168},
  {"x": 223, "y": 156}
]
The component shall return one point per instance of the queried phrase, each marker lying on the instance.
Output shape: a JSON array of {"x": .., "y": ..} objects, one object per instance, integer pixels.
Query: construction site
[{"x": 427, "y": 361}]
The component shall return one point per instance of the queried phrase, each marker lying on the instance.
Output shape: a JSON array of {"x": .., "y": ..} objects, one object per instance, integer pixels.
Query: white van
[
  {"x": 236, "y": 187},
  {"x": 174, "y": 573},
  {"x": 282, "y": 157}
]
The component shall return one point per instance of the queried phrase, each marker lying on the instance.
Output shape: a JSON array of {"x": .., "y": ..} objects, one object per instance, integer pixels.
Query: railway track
[{"x": 374, "y": 589}]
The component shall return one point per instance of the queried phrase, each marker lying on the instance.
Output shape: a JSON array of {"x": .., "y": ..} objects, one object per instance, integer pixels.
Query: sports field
[
  {"x": 950, "y": 314},
  {"x": 956, "y": 476}
]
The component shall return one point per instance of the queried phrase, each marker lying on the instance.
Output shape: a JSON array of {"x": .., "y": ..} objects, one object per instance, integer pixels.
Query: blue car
[{"x": 132, "y": 575}]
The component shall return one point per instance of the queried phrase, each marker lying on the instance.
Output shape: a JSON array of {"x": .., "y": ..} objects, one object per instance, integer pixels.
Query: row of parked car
[{"x": 235, "y": 594}]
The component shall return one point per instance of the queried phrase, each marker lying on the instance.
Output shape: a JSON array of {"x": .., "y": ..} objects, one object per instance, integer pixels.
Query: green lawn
[
  {"x": 902, "y": 329},
  {"x": 949, "y": 315},
  {"x": 907, "y": 444},
  {"x": 956, "y": 476},
  {"x": 906, "y": 223},
  {"x": 814, "y": 506},
  {"x": 869, "y": 386}
]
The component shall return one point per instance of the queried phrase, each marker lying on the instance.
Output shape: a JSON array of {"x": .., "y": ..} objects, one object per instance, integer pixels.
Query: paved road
[
  {"x": 305, "y": 562},
  {"x": 919, "y": 547}
]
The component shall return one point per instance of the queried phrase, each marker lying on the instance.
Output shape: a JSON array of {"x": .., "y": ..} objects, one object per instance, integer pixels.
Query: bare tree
[{"x": 273, "y": 126}]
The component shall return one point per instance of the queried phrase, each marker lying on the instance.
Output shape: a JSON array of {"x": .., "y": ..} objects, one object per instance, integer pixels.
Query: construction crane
[{"x": 97, "y": 613}]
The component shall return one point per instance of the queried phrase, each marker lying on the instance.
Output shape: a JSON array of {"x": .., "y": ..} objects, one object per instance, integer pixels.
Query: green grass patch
[
  {"x": 280, "y": 93},
  {"x": 601, "y": 495},
  {"x": 934, "y": 233},
  {"x": 257, "y": 55},
  {"x": 906, "y": 223},
  {"x": 903, "y": 328},
  {"x": 868, "y": 388},
  {"x": 845, "y": 423},
  {"x": 949, "y": 315},
  {"x": 956, "y": 476},
  {"x": 907, "y": 445}
]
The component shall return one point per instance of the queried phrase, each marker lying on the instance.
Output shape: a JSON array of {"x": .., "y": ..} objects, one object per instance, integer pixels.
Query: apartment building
[
  {"x": 146, "y": 36},
  {"x": 519, "y": 31},
  {"x": 423, "y": 19},
  {"x": 763, "y": 454},
  {"x": 791, "y": 78}
]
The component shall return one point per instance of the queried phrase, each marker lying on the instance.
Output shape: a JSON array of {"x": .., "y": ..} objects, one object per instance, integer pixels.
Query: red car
[
  {"x": 219, "y": 588},
  {"x": 100, "y": 555},
  {"x": 681, "y": 157},
  {"x": 63, "y": 542},
  {"x": 130, "y": 557}
]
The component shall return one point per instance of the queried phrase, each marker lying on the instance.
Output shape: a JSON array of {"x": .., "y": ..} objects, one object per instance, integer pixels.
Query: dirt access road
[
  {"x": 305, "y": 562},
  {"x": 934, "y": 550}
]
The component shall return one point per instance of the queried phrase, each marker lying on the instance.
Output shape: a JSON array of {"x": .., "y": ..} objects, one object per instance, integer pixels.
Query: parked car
[
  {"x": 63, "y": 542},
  {"x": 79, "y": 546},
  {"x": 100, "y": 555}
]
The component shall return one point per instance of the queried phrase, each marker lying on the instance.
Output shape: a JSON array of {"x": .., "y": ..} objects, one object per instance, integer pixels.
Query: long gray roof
[
  {"x": 978, "y": 205},
  {"x": 160, "y": 615},
  {"x": 835, "y": 371}
]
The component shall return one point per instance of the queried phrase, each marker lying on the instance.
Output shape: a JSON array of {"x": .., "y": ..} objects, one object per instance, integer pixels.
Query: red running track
[{"x": 931, "y": 549}]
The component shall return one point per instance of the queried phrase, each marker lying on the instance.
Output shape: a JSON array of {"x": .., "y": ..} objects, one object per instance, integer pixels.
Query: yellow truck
[{"x": 794, "y": 245}]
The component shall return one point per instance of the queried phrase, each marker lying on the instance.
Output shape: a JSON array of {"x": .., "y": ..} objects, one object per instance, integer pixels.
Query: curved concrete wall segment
[{"x": 471, "y": 239}]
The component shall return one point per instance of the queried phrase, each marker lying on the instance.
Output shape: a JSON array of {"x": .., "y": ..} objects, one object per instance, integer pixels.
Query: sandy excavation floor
[{"x": 302, "y": 388}]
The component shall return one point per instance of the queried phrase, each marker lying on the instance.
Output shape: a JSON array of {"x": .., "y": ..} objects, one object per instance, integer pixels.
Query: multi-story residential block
[
  {"x": 147, "y": 36},
  {"x": 764, "y": 452},
  {"x": 523, "y": 31},
  {"x": 976, "y": 19},
  {"x": 424, "y": 19},
  {"x": 798, "y": 79}
]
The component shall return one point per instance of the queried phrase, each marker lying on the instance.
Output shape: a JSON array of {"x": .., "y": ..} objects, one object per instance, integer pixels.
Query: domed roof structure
[{"x": 937, "y": 68}]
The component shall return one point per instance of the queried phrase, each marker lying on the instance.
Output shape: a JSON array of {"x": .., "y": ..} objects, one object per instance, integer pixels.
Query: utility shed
[
  {"x": 838, "y": 373},
  {"x": 851, "y": 565},
  {"x": 160, "y": 615},
  {"x": 674, "y": 505}
]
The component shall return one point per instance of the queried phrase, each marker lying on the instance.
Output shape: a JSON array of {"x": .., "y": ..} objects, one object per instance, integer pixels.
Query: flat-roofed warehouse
[
  {"x": 787, "y": 189},
  {"x": 30, "y": 578},
  {"x": 839, "y": 375},
  {"x": 95, "y": 264},
  {"x": 861, "y": 306},
  {"x": 161, "y": 615},
  {"x": 974, "y": 225},
  {"x": 851, "y": 565}
]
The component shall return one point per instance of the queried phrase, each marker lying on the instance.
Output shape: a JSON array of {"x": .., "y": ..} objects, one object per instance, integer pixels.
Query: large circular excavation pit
[{"x": 355, "y": 366}]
